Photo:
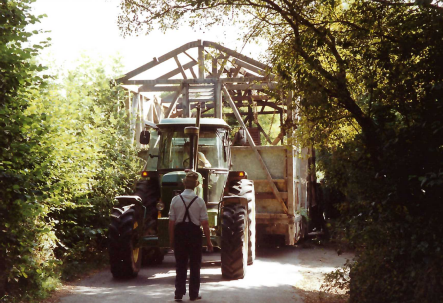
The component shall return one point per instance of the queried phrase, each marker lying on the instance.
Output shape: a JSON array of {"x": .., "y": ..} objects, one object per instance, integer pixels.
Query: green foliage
[
  {"x": 89, "y": 161},
  {"x": 24, "y": 236},
  {"x": 64, "y": 155},
  {"x": 369, "y": 75}
]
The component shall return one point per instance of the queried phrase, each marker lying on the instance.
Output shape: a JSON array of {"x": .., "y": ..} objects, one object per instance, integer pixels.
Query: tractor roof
[{"x": 191, "y": 121}]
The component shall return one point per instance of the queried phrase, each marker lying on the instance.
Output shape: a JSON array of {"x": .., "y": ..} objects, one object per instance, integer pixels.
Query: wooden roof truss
[{"x": 202, "y": 70}]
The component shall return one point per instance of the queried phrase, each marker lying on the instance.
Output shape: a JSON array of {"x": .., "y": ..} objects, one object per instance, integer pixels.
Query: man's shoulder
[
  {"x": 201, "y": 202},
  {"x": 174, "y": 199}
]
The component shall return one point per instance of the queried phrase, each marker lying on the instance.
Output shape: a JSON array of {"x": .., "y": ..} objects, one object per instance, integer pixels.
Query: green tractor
[{"x": 139, "y": 224}]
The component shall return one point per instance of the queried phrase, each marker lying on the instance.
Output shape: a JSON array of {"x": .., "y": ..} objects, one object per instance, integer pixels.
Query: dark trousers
[{"x": 187, "y": 247}]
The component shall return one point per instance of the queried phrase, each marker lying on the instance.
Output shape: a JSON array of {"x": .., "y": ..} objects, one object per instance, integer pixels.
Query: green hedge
[{"x": 64, "y": 156}]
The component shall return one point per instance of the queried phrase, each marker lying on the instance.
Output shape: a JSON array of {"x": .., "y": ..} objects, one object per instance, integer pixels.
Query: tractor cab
[{"x": 183, "y": 147}]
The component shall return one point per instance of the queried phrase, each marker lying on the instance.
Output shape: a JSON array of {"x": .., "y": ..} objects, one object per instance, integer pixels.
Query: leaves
[
  {"x": 367, "y": 76},
  {"x": 61, "y": 160}
]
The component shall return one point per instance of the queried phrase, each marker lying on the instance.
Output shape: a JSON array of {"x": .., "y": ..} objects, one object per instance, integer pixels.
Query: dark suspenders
[{"x": 187, "y": 215}]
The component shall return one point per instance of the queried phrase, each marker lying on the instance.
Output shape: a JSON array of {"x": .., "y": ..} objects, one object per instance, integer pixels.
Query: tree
[
  {"x": 310, "y": 41},
  {"x": 369, "y": 75},
  {"x": 19, "y": 80},
  {"x": 64, "y": 156}
]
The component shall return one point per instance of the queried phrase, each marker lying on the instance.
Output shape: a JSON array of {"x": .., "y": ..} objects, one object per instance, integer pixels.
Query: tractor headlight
[{"x": 160, "y": 206}]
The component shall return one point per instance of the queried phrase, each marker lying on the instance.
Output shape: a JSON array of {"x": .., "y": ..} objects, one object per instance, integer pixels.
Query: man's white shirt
[{"x": 197, "y": 211}]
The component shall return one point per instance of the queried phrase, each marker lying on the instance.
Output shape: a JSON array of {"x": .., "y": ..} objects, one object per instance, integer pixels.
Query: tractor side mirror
[{"x": 145, "y": 136}]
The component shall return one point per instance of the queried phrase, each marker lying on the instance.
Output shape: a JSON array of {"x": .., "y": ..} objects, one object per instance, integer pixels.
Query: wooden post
[
  {"x": 185, "y": 102},
  {"x": 289, "y": 119},
  {"x": 218, "y": 102},
  {"x": 178, "y": 92},
  {"x": 201, "y": 60},
  {"x": 257, "y": 154},
  {"x": 291, "y": 191},
  {"x": 214, "y": 67},
  {"x": 250, "y": 113}
]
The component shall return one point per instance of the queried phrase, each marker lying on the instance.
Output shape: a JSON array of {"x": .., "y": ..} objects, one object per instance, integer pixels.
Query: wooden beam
[
  {"x": 279, "y": 137},
  {"x": 254, "y": 148},
  {"x": 157, "y": 61},
  {"x": 177, "y": 70},
  {"x": 201, "y": 61},
  {"x": 264, "y": 133},
  {"x": 252, "y": 86},
  {"x": 190, "y": 57},
  {"x": 201, "y": 99},
  {"x": 292, "y": 205},
  {"x": 235, "y": 54},
  {"x": 193, "y": 73},
  {"x": 178, "y": 92},
  {"x": 180, "y": 67},
  {"x": 260, "y": 103},
  {"x": 222, "y": 67},
  {"x": 251, "y": 67},
  {"x": 146, "y": 88},
  {"x": 251, "y": 97},
  {"x": 290, "y": 119},
  {"x": 245, "y": 114},
  {"x": 185, "y": 102},
  {"x": 236, "y": 71},
  {"x": 163, "y": 88},
  {"x": 196, "y": 81},
  {"x": 218, "y": 101},
  {"x": 214, "y": 66}
]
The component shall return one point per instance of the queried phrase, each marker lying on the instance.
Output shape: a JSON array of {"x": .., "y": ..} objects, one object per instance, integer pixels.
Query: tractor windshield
[{"x": 174, "y": 152}]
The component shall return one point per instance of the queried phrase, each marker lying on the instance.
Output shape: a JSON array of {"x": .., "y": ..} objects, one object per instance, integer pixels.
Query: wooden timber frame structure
[
  {"x": 139, "y": 108},
  {"x": 216, "y": 78}
]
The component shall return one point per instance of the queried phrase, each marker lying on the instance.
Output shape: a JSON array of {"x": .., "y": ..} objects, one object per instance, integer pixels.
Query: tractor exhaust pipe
[
  {"x": 193, "y": 132},
  {"x": 197, "y": 125}
]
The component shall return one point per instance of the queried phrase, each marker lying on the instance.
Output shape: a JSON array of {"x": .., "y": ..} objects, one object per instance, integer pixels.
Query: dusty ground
[{"x": 287, "y": 274}]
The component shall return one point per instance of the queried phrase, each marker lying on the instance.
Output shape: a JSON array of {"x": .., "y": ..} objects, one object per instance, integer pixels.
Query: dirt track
[{"x": 285, "y": 274}]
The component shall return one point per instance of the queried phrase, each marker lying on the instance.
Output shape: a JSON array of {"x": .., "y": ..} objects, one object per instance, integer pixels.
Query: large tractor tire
[
  {"x": 234, "y": 245},
  {"x": 245, "y": 188},
  {"x": 149, "y": 192},
  {"x": 124, "y": 254}
]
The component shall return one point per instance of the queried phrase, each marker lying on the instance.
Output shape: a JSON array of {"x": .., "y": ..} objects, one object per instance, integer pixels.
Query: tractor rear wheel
[
  {"x": 124, "y": 253},
  {"x": 245, "y": 188},
  {"x": 234, "y": 245},
  {"x": 149, "y": 192}
]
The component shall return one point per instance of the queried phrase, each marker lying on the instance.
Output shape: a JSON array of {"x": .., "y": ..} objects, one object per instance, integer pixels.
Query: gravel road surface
[{"x": 277, "y": 275}]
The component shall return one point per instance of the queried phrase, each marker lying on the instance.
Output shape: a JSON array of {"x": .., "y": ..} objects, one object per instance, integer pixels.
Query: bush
[{"x": 64, "y": 155}]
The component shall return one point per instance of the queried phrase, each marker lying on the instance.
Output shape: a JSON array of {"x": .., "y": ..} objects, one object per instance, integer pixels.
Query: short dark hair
[{"x": 191, "y": 180}]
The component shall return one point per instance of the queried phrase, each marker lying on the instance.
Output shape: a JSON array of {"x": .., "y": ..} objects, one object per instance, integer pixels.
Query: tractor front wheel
[
  {"x": 124, "y": 254},
  {"x": 234, "y": 245}
]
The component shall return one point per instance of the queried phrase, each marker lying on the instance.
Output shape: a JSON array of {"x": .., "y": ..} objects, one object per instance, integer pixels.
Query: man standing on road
[{"x": 186, "y": 215}]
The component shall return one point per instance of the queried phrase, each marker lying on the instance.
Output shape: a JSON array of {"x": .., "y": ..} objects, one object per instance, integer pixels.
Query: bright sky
[{"x": 90, "y": 26}]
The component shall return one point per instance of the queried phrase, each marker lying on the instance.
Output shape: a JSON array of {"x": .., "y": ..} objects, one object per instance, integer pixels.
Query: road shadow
[{"x": 272, "y": 278}]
